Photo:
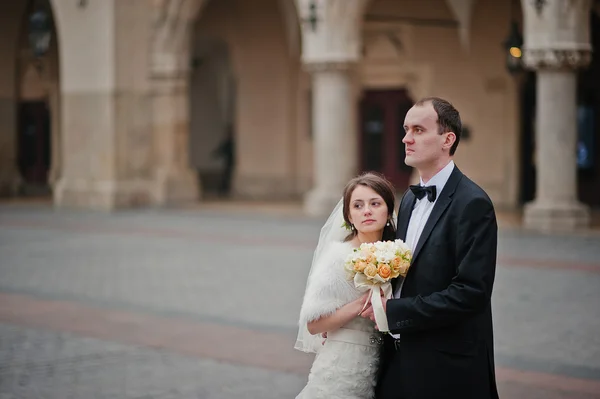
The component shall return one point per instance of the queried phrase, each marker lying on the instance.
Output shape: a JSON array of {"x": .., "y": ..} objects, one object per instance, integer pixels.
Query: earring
[
  {"x": 388, "y": 224},
  {"x": 352, "y": 227}
]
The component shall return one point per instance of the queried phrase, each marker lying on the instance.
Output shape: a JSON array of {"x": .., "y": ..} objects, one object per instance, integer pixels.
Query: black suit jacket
[{"x": 444, "y": 314}]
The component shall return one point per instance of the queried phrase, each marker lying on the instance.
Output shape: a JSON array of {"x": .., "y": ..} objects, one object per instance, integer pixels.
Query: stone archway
[
  {"x": 180, "y": 27},
  {"x": 29, "y": 103}
]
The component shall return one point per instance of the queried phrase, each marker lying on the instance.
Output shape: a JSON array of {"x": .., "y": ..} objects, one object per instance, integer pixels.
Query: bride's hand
[
  {"x": 369, "y": 313},
  {"x": 363, "y": 302}
]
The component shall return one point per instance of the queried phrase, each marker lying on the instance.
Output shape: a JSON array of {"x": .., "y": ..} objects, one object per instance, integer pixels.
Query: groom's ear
[{"x": 449, "y": 140}]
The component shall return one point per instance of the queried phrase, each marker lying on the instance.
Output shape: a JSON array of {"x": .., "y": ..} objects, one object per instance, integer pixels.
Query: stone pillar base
[
  {"x": 102, "y": 195},
  {"x": 556, "y": 216},
  {"x": 319, "y": 203},
  {"x": 171, "y": 188}
]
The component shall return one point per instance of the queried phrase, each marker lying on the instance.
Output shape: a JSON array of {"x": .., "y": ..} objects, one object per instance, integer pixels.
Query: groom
[{"x": 440, "y": 313}]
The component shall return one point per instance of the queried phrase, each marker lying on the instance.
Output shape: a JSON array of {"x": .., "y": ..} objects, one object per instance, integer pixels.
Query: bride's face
[{"x": 368, "y": 211}]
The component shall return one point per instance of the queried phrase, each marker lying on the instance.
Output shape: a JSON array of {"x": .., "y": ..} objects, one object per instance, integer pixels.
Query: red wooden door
[{"x": 381, "y": 129}]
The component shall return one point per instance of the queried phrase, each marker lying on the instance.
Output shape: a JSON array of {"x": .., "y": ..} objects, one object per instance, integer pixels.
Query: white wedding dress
[{"x": 346, "y": 366}]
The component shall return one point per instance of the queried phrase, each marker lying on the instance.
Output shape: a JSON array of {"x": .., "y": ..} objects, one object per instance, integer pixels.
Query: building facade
[{"x": 133, "y": 100}]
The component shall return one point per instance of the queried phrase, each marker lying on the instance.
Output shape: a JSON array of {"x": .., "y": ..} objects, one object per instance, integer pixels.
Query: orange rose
[
  {"x": 404, "y": 266},
  {"x": 396, "y": 265},
  {"x": 359, "y": 266},
  {"x": 385, "y": 271}
]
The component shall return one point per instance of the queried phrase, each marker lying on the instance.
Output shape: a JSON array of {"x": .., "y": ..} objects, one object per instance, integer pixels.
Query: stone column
[
  {"x": 556, "y": 44},
  {"x": 175, "y": 181},
  {"x": 105, "y": 138},
  {"x": 334, "y": 135},
  {"x": 331, "y": 42}
]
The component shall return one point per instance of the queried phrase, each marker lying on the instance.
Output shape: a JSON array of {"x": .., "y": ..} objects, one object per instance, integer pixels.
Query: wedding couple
[{"x": 440, "y": 343}]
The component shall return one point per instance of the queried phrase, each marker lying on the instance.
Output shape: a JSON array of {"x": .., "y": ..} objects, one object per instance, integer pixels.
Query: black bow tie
[{"x": 420, "y": 191}]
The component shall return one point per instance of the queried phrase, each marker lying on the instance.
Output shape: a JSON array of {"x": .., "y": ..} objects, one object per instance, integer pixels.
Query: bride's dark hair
[{"x": 381, "y": 186}]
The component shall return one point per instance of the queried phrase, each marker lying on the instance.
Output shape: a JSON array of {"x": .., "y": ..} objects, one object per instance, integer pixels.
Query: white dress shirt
[{"x": 421, "y": 212}]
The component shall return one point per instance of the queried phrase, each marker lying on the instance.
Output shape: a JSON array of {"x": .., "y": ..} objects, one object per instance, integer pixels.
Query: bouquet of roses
[{"x": 372, "y": 266}]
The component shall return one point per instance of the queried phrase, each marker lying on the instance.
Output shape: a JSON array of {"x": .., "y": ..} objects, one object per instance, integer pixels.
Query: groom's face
[{"x": 422, "y": 142}]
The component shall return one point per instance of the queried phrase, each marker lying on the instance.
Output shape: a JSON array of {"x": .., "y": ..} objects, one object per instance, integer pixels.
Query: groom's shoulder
[
  {"x": 470, "y": 190},
  {"x": 403, "y": 194}
]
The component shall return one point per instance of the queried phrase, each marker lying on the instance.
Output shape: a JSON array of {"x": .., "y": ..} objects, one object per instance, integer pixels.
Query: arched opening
[
  {"x": 212, "y": 102},
  {"x": 29, "y": 93},
  {"x": 588, "y": 123},
  {"x": 38, "y": 99},
  {"x": 245, "y": 136}
]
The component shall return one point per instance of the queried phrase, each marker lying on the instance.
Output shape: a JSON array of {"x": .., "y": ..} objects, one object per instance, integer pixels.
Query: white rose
[{"x": 388, "y": 256}]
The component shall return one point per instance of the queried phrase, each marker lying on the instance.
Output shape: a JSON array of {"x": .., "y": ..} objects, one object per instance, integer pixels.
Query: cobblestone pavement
[{"x": 203, "y": 304}]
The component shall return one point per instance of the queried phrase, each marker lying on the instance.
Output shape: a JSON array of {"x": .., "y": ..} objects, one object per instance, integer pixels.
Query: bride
[{"x": 346, "y": 363}]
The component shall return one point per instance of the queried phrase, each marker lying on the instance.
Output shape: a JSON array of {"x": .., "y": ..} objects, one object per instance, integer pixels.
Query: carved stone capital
[
  {"x": 336, "y": 32},
  {"x": 557, "y": 58},
  {"x": 172, "y": 21},
  {"x": 557, "y": 33}
]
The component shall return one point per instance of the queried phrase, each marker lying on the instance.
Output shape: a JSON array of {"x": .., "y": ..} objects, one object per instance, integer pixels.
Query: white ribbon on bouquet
[{"x": 364, "y": 284}]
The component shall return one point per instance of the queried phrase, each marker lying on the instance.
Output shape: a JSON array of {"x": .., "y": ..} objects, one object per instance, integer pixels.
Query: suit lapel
[{"x": 444, "y": 199}]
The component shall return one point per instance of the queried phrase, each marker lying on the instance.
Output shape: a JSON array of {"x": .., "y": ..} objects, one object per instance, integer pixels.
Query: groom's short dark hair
[{"x": 448, "y": 118}]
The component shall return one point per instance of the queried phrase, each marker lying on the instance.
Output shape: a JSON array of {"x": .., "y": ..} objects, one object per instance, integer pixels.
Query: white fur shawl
[{"x": 328, "y": 287}]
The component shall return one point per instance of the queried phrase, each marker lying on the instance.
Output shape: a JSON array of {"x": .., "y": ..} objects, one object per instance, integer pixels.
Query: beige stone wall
[
  {"x": 433, "y": 62},
  {"x": 267, "y": 77}
]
